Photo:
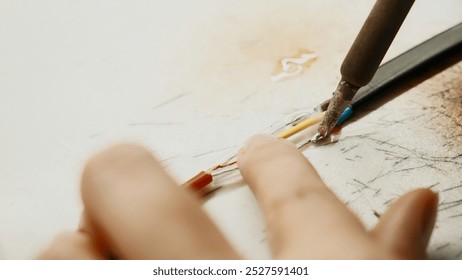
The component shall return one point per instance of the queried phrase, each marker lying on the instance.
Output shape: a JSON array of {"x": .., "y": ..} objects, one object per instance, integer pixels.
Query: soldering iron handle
[{"x": 373, "y": 40}]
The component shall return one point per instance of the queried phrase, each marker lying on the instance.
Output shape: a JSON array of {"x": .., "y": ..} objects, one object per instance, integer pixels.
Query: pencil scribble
[{"x": 414, "y": 142}]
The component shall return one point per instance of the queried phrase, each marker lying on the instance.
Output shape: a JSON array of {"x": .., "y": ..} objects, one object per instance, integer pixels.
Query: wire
[
  {"x": 203, "y": 178},
  {"x": 301, "y": 126}
]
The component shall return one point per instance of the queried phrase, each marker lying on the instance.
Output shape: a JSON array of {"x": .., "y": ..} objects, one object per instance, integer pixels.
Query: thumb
[{"x": 407, "y": 225}]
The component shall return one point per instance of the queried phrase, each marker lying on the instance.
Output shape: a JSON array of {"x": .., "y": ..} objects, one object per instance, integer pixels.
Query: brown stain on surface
[
  {"x": 442, "y": 101},
  {"x": 263, "y": 37},
  {"x": 229, "y": 59},
  {"x": 236, "y": 55}
]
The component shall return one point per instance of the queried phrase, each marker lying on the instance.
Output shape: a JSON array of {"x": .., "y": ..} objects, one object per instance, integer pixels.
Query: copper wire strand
[
  {"x": 300, "y": 125},
  {"x": 222, "y": 165},
  {"x": 224, "y": 171},
  {"x": 204, "y": 178}
]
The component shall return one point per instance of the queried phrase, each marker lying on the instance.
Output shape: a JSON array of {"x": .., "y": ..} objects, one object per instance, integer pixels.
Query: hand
[{"x": 134, "y": 210}]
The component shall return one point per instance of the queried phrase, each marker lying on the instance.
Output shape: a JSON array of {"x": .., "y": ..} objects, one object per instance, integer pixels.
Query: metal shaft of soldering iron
[{"x": 365, "y": 56}]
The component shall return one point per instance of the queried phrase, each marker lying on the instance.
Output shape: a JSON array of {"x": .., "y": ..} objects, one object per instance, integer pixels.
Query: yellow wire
[
  {"x": 285, "y": 134},
  {"x": 301, "y": 126}
]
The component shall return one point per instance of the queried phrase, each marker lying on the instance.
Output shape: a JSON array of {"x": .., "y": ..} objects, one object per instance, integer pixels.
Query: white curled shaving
[{"x": 292, "y": 66}]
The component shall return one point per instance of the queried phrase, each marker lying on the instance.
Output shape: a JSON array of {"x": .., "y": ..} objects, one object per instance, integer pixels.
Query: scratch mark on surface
[
  {"x": 152, "y": 123},
  {"x": 363, "y": 186},
  {"x": 213, "y": 151},
  {"x": 452, "y": 188},
  {"x": 96, "y": 135},
  {"x": 349, "y": 149},
  {"x": 170, "y": 100},
  {"x": 377, "y": 192},
  {"x": 459, "y": 254},
  {"x": 380, "y": 175},
  {"x": 455, "y": 216},
  {"x": 389, "y": 201},
  {"x": 416, "y": 167},
  {"x": 442, "y": 246},
  {"x": 248, "y": 97},
  {"x": 450, "y": 204},
  {"x": 401, "y": 160},
  {"x": 169, "y": 158}
]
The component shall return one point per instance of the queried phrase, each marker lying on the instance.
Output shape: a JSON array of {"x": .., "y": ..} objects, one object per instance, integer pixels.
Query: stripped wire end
[
  {"x": 199, "y": 181},
  {"x": 204, "y": 178}
]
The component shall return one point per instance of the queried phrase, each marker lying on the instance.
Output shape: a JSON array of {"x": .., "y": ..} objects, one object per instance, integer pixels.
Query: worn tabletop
[{"x": 191, "y": 80}]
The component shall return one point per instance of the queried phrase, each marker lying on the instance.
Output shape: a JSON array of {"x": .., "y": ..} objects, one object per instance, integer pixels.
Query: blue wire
[{"x": 345, "y": 115}]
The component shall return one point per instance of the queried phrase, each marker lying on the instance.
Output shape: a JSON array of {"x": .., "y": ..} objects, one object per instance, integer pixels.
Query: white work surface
[{"x": 190, "y": 80}]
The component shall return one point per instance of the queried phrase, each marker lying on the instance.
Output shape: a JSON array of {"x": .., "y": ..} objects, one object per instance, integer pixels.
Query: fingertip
[
  {"x": 267, "y": 158},
  {"x": 291, "y": 195},
  {"x": 137, "y": 211},
  {"x": 429, "y": 202},
  {"x": 114, "y": 165},
  {"x": 425, "y": 200},
  {"x": 260, "y": 145},
  {"x": 255, "y": 142},
  {"x": 423, "y": 193},
  {"x": 407, "y": 225},
  {"x": 118, "y": 156}
]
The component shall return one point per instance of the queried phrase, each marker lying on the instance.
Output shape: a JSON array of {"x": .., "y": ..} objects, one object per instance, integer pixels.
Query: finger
[
  {"x": 407, "y": 226},
  {"x": 304, "y": 217},
  {"x": 73, "y": 246},
  {"x": 141, "y": 213}
]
